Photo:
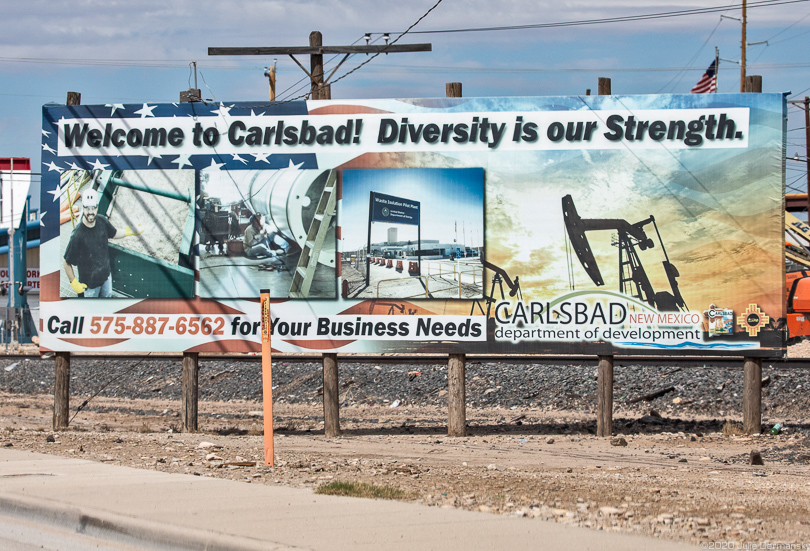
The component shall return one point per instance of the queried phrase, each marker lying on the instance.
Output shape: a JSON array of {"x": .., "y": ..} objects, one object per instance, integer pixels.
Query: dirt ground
[{"x": 695, "y": 485}]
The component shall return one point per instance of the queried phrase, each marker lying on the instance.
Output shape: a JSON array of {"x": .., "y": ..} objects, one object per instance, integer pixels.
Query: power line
[
  {"x": 393, "y": 68},
  {"x": 620, "y": 19},
  {"x": 358, "y": 67},
  {"x": 370, "y": 59}
]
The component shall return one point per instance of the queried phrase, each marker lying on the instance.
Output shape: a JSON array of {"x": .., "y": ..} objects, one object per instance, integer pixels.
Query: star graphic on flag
[
  {"x": 145, "y": 111},
  {"x": 292, "y": 166},
  {"x": 46, "y": 133},
  {"x": 214, "y": 165},
  {"x": 52, "y": 166},
  {"x": 152, "y": 156},
  {"x": 261, "y": 157},
  {"x": 182, "y": 161},
  {"x": 98, "y": 165},
  {"x": 222, "y": 111},
  {"x": 41, "y": 216},
  {"x": 252, "y": 114},
  {"x": 49, "y": 149},
  {"x": 74, "y": 166},
  {"x": 55, "y": 192},
  {"x": 236, "y": 157},
  {"x": 114, "y": 107}
]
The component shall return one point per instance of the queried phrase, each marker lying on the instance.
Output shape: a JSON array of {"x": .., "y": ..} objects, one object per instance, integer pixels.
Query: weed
[
  {"x": 361, "y": 489},
  {"x": 732, "y": 428}
]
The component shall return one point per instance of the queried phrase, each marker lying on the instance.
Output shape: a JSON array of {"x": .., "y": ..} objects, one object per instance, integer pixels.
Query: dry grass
[
  {"x": 361, "y": 489},
  {"x": 732, "y": 428}
]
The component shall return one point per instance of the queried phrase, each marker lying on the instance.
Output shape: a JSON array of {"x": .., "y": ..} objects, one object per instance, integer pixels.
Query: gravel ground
[{"x": 673, "y": 470}]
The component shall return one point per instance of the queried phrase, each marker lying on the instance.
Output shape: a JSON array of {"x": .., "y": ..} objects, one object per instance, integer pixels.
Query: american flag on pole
[{"x": 708, "y": 82}]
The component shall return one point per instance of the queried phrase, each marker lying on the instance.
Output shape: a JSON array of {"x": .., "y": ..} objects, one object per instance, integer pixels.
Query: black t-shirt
[{"x": 88, "y": 251}]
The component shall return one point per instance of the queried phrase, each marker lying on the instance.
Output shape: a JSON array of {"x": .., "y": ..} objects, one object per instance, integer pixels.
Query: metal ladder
[{"x": 308, "y": 261}]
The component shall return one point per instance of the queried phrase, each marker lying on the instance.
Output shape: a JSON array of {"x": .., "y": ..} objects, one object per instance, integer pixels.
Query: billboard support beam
[
  {"x": 191, "y": 372},
  {"x": 61, "y": 391},
  {"x": 61, "y": 384},
  {"x": 456, "y": 395},
  {"x": 331, "y": 405},
  {"x": 752, "y": 396},
  {"x": 604, "y": 407}
]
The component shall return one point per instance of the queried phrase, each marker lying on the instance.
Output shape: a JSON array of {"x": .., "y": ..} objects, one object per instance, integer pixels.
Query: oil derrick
[{"x": 633, "y": 278}]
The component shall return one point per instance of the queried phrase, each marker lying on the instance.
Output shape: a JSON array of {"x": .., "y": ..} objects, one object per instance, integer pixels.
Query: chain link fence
[{"x": 353, "y": 269}]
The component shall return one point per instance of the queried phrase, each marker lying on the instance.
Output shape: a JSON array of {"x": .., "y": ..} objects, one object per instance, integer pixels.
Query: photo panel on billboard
[
  {"x": 268, "y": 229},
  {"x": 127, "y": 233},
  {"x": 415, "y": 233}
]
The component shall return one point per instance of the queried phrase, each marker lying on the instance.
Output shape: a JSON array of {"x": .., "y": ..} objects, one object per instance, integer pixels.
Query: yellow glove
[
  {"x": 77, "y": 286},
  {"x": 137, "y": 231}
]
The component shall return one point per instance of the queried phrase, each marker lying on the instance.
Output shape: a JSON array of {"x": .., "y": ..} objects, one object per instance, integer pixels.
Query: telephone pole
[{"x": 319, "y": 88}]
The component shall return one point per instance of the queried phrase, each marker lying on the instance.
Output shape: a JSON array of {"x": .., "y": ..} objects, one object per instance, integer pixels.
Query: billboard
[{"x": 595, "y": 224}]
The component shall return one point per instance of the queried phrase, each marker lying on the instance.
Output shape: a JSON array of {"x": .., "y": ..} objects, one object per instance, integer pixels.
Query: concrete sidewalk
[{"x": 190, "y": 512}]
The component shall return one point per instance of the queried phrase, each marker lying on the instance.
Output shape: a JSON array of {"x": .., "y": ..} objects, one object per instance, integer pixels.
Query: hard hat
[{"x": 90, "y": 198}]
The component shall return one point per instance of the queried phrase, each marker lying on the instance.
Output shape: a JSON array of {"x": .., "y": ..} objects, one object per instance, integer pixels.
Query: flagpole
[{"x": 716, "y": 69}]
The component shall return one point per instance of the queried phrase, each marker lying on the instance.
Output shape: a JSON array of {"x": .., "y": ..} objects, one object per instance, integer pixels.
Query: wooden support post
[
  {"x": 191, "y": 371},
  {"x": 752, "y": 396},
  {"x": 456, "y": 395},
  {"x": 604, "y": 407},
  {"x": 753, "y": 84},
  {"x": 604, "y": 87},
  {"x": 453, "y": 89},
  {"x": 61, "y": 391},
  {"x": 331, "y": 399}
]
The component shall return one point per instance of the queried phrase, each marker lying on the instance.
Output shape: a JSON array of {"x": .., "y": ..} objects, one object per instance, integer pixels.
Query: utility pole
[
  {"x": 319, "y": 88},
  {"x": 805, "y": 106},
  {"x": 192, "y": 94},
  {"x": 742, "y": 45},
  {"x": 270, "y": 73},
  {"x": 12, "y": 303}
]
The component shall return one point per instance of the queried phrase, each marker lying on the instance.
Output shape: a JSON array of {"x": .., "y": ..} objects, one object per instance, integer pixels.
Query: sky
[{"x": 134, "y": 52}]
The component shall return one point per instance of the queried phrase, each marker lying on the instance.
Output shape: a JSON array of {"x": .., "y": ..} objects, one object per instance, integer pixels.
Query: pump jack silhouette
[{"x": 633, "y": 279}]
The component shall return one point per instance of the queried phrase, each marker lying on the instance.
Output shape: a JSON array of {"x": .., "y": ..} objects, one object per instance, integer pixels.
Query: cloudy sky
[{"x": 133, "y": 52}]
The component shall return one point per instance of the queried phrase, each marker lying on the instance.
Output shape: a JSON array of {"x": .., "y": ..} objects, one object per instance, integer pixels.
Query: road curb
[{"x": 113, "y": 526}]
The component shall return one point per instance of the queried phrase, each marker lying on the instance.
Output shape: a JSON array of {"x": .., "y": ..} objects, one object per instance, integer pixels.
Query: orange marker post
[{"x": 267, "y": 378}]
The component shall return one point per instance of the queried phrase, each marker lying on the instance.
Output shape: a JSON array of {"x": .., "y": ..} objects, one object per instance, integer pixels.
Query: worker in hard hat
[{"x": 88, "y": 250}]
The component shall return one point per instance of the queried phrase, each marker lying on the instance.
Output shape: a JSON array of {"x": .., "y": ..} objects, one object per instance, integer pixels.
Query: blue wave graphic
[{"x": 698, "y": 345}]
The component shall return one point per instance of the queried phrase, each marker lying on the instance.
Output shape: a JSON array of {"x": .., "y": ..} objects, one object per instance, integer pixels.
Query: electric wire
[
  {"x": 105, "y": 385},
  {"x": 677, "y": 78},
  {"x": 619, "y": 19},
  {"x": 361, "y": 65}
]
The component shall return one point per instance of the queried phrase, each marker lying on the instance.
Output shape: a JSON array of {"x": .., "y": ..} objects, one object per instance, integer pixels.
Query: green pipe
[{"x": 139, "y": 187}]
